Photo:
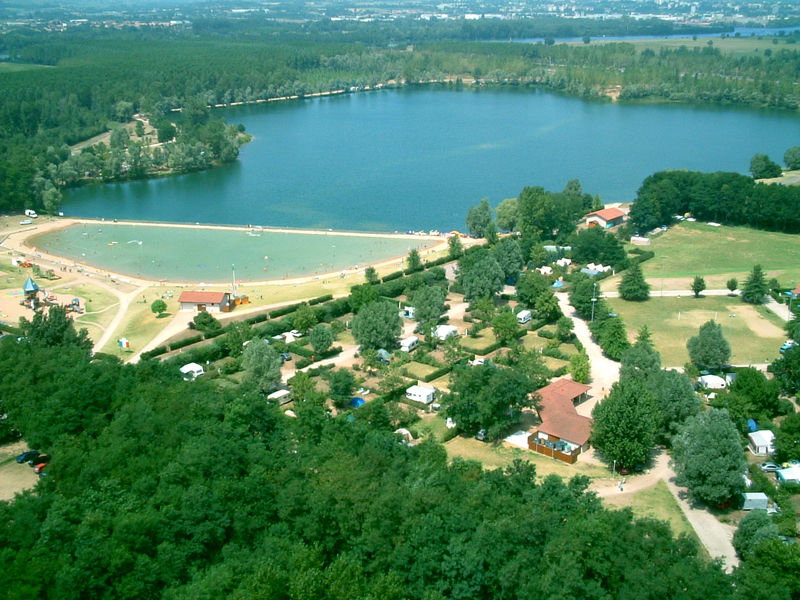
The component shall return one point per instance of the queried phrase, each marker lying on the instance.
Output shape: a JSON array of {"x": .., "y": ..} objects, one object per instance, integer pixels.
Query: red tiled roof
[
  {"x": 563, "y": 388},
  {"x": 202, "y": 297},
  {"x": 559, "y": 417},
  {"x": 607, "y": 214}
]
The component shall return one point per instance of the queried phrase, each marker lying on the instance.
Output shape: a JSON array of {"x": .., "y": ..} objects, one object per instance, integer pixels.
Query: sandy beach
[{"x": 17, "y": 241}]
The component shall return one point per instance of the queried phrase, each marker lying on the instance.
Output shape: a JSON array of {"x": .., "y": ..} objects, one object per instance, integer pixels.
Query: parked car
[
  {"x": 769, "y": 467},
  {"x": 482, "y": 436},
  {"x": 787, "y": 345},
  {"x": 26, "y": 456},
  {"x": 42, "y": 458},
  {"x": 285, "y": 356}
]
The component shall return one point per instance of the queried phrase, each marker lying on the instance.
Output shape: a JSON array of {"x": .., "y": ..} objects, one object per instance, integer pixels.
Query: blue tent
[
  {"x": 356, "y": 402},
  {"x": 558, "y": 283},
  {"x": 752, "y": 425}
]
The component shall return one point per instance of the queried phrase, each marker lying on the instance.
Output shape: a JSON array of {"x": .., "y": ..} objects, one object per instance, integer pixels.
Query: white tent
[{"x": 445, "y": 331}]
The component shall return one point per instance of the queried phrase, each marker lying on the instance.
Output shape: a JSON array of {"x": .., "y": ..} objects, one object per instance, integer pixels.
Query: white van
[
  {"x": 30, "y": 213},
  {"x": 523, "y": 316},
  {"x": 409, "y": 343}
]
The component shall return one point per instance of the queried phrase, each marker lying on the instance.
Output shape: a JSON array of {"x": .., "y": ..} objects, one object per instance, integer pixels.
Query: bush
[
  {"x": 303, "y": 362},
  {"x": 546, "y": 334}
]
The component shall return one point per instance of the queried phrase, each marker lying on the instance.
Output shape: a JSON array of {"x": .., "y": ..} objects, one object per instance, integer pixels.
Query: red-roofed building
[
  {"x": 605, "y": 218},
  {"x": 212, "y": 302},
  {"x": 563, "y": 433}
]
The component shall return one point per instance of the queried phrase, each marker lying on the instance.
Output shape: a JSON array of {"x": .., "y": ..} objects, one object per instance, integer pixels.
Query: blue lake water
[{"x": 418, "y": 158}]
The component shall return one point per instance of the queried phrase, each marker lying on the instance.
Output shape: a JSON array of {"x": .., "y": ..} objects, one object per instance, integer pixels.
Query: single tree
[
  {"x": 361, "y": 295},
  {"x": 505, "y": 325},
  {"x": 547, "y": 307},
  {"x": 709, "y": 349},
  {"x": 530, "y": 286},
  {"x": 612, "y": 336},
  {"x": 564, "y": 327},
  {"x": 579, "y": 367},
  {"x": 341, "y": 384},
  {"x": 262, "y": 366},
  {"x": 205, "y": 322},
  {"x": 507, "y": 214},
  {"x": 787, "y": 438},
  {"x": 236, "y": 336},
  {"x": 761, "y": 167},
  {"x": 508, "y": 255},
  {"x": 732, "y": 284},
  {"x": 428, "y": 303},
  {"x": 482, "y": 279},
  {"x": 755, "y": 286},
  {"x": 321, "y": 338},
  {"x": 633, "y": 285},
  {"x": 538, "y": 256},
  {"x": 454, "y": 247},
  {"x": 786, "y": 370},
  {"x": 761, "y": 393},
  {"x": 483, "y": 309},
  {"x": 708, "y": 458},
  {"x": 478, "y": 218},
  {"x": 413, "y": 260},
  {"x": 791, "y": 158},
  {"x": 625, "y": 424},
  {"x": 304, "y": 318},
  {"x": 640, "y": 360},
  {"x": 676, "y": 400},
  {"x": 698, "y": 285},
  {"x": 644, "y": 336},
  {"x": 754, "y": 528},
  {"x": 158, "y": 307},
  {"x": 377, "y": 325},
  {"x": 371, "y": 275},
  {"x": 491, "y": 233}
]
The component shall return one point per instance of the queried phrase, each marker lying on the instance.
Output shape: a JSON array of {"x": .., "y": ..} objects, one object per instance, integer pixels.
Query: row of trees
[{"x": 728, "y": 198}]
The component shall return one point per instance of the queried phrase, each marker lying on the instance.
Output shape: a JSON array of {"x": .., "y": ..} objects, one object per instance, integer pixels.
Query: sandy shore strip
[{"x": 17, "y": 241}]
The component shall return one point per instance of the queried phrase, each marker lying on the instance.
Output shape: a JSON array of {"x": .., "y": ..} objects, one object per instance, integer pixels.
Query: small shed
[
  {"x": 191, "y": 370},
  {"x": 605, "y": 218},
  {"x": 212, "y": 302},
  {"x": 755, "y": 501},
  {"x": 761, "y": 442}
]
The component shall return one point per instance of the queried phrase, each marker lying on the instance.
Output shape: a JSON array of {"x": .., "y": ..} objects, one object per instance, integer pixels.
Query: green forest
[
  {"x": 164, "y": 488},
  {"x": 80, "y": 84}
]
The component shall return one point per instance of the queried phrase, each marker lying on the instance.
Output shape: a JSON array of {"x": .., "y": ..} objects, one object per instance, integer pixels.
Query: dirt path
[
  {"x": 125, "y": 299},
  {"x": 715, "y": 536},
  {"x": 604, "y": 371}
]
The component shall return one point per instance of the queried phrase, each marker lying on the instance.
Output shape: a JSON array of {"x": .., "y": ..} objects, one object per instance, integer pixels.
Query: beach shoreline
[{"x": 18, "y": 242}]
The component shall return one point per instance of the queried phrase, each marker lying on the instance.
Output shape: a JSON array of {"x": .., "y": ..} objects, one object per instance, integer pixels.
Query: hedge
[
  {"x": 437, "y": 373},
  {"x": 185, "y": 342},
  {"x": 158, "y": 351},
  {"x": 392, "y": 276},
  {"x": 320, "y": 299},
  {"x": 257, "y": 319},
  {"x": 213, "y": 333},
  {"x": 284, "y": 310},
  {"x": 559, "y": 372}
]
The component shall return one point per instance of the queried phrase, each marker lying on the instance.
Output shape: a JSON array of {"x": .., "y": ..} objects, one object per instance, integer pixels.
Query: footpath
[{"x": 716, "y": 537}]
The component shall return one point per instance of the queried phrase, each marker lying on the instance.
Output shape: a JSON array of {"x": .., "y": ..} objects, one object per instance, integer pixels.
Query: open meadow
[
  {"x": 755, "y": 334},
  {"x": 717, "y": 254}
]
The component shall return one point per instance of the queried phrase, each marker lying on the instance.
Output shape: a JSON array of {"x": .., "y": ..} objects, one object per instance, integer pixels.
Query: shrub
[
  {"x": 321, "y": 299},
  {"x": 392, "y": 276},
  {"x": 283, "y": 310},
  {"x": 158, "y": 351},
  {"x": 185, "y": 342}
]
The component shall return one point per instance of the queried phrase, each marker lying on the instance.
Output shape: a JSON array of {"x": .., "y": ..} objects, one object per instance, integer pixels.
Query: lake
[
  {"x": 419, "y": 158},
  {"x": 203, "y": 254}
]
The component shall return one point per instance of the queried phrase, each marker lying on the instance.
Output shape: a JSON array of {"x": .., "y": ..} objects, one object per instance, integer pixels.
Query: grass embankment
[
  {"x": 716, "y": 254},
  {"x": 754, "y": 333}
]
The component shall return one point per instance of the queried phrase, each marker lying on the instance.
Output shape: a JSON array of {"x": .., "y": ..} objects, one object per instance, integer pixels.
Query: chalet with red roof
[
  {"x": 212, "y": 302},
  {"x": 605, "y": 218},
  {"x": 563, "y": 433}
]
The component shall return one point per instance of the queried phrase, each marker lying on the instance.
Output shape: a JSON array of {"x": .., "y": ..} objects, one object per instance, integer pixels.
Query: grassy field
[
  {"x": 717, "y": 254},
  {"x": 419, "y": 370},
  {"x": 755, "y": 336},
  {"x": 478, "y": 344},
  {"x": 658, "y": 503},
  {"x": 139, "y": 326},
  {"x": 729, "y": 45}
]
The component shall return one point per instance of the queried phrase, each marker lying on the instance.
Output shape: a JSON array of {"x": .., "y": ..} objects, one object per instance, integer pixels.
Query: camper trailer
[
  {"x": 409, "y": 343},
  {"x": 523, "y": 316},
  {"x": 421, "y": 393},
  {"x": 30, "y": 213}
]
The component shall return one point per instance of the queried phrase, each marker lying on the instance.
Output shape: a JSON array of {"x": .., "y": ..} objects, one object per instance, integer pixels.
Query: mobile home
[{"x": 421, "y": 393}]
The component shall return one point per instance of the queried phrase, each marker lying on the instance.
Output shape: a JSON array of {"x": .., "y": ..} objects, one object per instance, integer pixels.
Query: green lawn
[
  {"x": 479, "y": 344},
  {"x": 531, "y": 341},
  {"x": 140, "y": 326},
  {"x": 554, "y": 363},
  {"x": 419, "y": 370},
  {"x": 755, "y": 336},
  {"x": 729, "y": 45},
  {"x": 717, "y": 254}
]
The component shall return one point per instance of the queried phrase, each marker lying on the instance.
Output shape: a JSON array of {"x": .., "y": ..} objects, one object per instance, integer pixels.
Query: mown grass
[
  {"x": 754, "y": 338},
  {"x": 716, "y": 254},
  {"x": 140, "y": 326},
  {"x": 485, "y": 339},
  {"x": 419, "y": 370},
  {"x": 729, "y": 45}
]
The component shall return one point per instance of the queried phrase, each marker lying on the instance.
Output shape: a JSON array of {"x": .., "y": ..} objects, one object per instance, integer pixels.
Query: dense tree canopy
[
  {"x": 709, "y": 349},
  {"x": 377, "y": 325},
  {"x": 708, "y": 457}
]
